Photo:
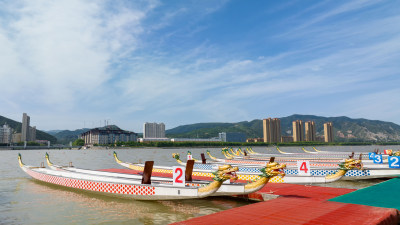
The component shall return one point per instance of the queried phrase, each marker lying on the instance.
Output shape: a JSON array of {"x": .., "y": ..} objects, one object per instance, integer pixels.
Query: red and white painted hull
[{"x": 119, "y": 187}]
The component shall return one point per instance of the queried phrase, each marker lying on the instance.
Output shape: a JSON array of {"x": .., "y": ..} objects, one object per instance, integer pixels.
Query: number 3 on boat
[
  {"x": 303, "y": 168},
  {"x": 178, "y": 176},
  {"x": 378, "y": 159}
]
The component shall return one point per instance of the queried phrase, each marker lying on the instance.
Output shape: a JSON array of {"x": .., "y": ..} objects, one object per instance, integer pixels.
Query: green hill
[
  {"x": 66, "y": 136},
  {"x": 40, "y": 135},
  {"x": 345, "y": 128}
]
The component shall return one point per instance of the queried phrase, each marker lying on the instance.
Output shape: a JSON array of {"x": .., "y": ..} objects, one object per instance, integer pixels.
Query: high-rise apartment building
[
  {"x": 272, "y": 130},
  {"x": 32, "y": 133},
  {"x": 6, "y": 134},
  {"x": 328, "y": 131},
  {"x": 27, "y": 133},
  {"x": 298, "y": 131},
  {"x": 154, "y": 130},
  {"x": 310, "y": 130},
  {"x": 25, "y": 127}
]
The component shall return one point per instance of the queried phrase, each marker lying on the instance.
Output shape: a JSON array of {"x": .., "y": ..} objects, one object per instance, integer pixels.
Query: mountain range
[{"x": 345, "y": 129}]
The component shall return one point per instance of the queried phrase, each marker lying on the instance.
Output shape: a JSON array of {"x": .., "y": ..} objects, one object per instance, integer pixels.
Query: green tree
[{"x": 78, "y": 142}]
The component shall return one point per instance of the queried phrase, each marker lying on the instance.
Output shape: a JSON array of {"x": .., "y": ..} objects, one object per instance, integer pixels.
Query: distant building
[
  {"x": 107, "y": 135},
  {"x": 153, "y": 130},
  {"x": 310, "y": 130},
  {"x": 6, "y": 134},
  {"x": 27, "y": 133},
  {"x": 25, "y": 127},
  {"x": 153, "y": 139},
  {"x": 16, "y": 137},
  {"x": 232, "y": 137},
  {"x": 272, "y": 130},
  {"x": 255, "y": 140},
  {"x": 298, "y": 131},
  {"x": 195, "y": 139},
  {"x": 32, "y": 133},
  {"x": 320, "y": 138},
  {"x": 286, "y": 139},
  {"x": 328, "y": 131}
]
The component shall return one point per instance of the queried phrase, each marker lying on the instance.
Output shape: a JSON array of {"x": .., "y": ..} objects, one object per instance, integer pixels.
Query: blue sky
[{"x": 72, "y": 63}]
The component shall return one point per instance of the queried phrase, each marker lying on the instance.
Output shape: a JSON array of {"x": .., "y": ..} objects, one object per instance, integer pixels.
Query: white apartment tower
[
  {"x": 5, "y": 134},
  {"x": 154, "y": 130}
]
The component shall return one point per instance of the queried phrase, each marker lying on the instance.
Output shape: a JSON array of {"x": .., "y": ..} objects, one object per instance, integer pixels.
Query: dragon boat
[
  {"x": 334, "y": 175},
  {"x": 249, "y": 164},
  {"x": 368, "y": 171},
  {"x": 229, "y": 153},
  {"x": 292, "y": 161},
  {"x": 271, "y": 170},
  {"x": 124, "y": 187},
  {"x": 328, "y": 157}
]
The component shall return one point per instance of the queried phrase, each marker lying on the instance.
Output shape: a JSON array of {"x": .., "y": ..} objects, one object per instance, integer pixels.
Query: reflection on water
[{"x": 26, "y": 201}]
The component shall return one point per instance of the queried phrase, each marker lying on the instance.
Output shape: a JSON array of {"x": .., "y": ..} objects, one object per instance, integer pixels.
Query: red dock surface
[
  {"x": 299, "y": 204},
  {"x": 296, "y": 204}
]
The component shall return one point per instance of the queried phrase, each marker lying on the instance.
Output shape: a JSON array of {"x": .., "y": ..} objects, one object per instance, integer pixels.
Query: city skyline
[{"x": 68, "y": 62}]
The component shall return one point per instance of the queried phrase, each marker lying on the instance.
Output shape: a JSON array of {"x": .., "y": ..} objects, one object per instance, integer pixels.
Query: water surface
[{"x": 26, "y": 201}]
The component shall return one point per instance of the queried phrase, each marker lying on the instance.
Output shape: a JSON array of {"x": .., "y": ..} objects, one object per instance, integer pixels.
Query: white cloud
[{"x": 59, "y": 51}]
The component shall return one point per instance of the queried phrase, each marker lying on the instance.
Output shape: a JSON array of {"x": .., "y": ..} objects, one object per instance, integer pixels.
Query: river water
[{"x": 26, "y": 201}]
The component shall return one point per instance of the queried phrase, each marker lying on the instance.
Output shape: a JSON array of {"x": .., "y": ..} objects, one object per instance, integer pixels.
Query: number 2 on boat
[
  {"x": 178, "y": 176},
  {"x": 303, "y": 168},
  {"x": 394, "y": 161}
]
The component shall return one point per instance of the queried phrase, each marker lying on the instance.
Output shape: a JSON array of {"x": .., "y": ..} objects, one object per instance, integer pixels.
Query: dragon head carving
[
  {"x": 225, "y": 172},
  {"x": 351, "y": 164},
  {"x": 396, "y": 153},
  {"x": 273, "y": 169},
  {"x": 175, "y": 156}
]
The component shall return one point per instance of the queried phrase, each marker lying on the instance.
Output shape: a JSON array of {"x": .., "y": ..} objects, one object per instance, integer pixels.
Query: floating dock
[
  {"x": 303, "y": 204},
  {"x": 300, "y": 204}
]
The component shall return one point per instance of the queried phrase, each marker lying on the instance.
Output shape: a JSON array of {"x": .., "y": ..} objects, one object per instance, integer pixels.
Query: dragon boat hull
[
  {"x": 113, "y": 186},
  {"x": 242, "y": 176},
  {"x": 366, "y": 173},
  {"x": 309, "y": 155},
  {"x": 292, "y": 162},
  {"x": 369, "y": 170},
  {"x": 225, "y": 189}
]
